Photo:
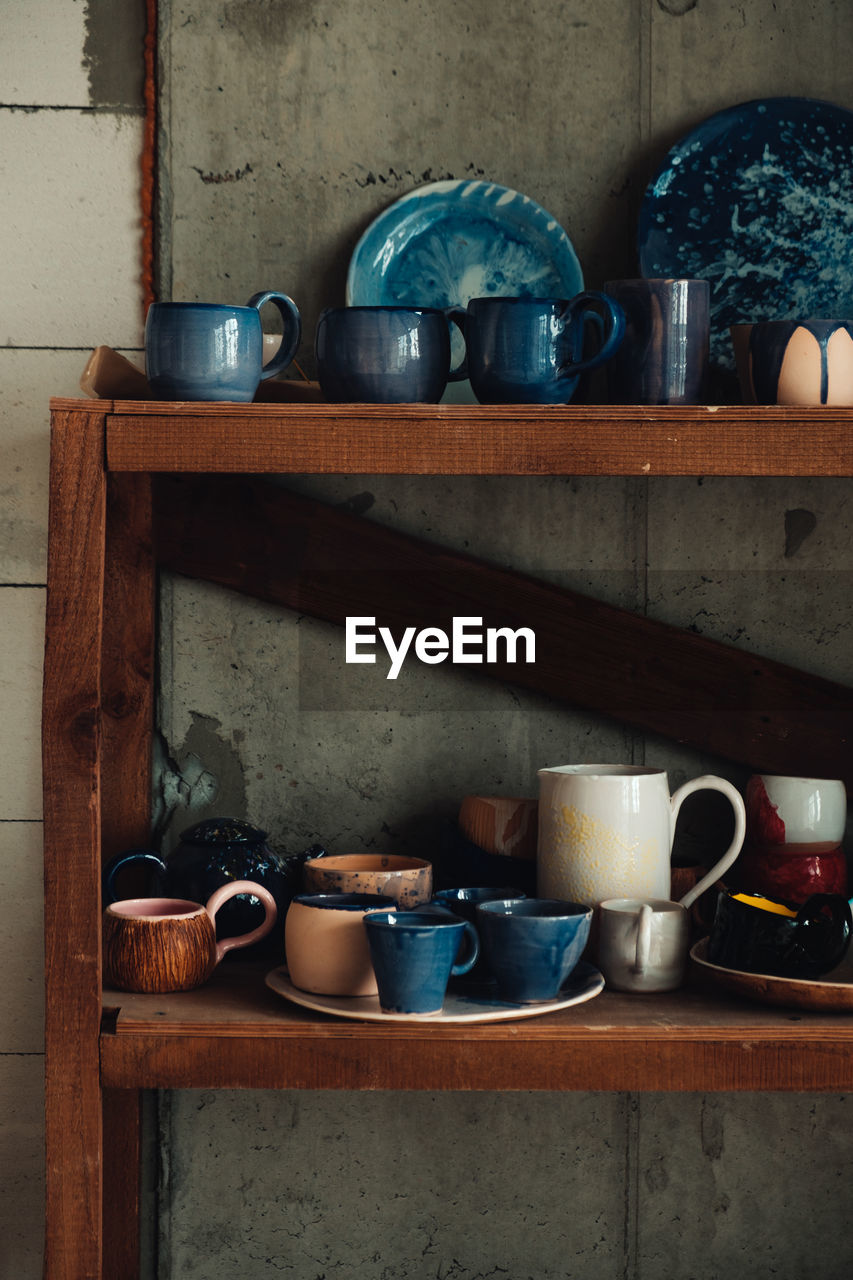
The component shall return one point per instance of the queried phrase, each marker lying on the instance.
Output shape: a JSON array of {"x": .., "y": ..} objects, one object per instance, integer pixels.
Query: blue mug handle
[
  {"x": 473, "y": 951},
  {"x": 292, "y": 334},
  {"x": 614, "y": 317},
  {"x": 115, "y": 865},
  {"x": 458, "y": 316}
]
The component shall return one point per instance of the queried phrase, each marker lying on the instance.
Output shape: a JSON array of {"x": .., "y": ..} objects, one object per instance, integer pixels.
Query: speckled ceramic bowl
[{"x": 407, "y": 880}]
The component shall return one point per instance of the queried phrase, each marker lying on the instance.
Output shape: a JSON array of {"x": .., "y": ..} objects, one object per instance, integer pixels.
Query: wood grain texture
[
  {"x": 128, "y": 665},
  {"x": 266, "y": 542},
  {"x": 122, "y": 1121},
  {"x": 482, "y": 440},
  {"x": 158, "y": 955},
  {"x": 71, "y": 763},
  {"x": 235, "y": 1033}
]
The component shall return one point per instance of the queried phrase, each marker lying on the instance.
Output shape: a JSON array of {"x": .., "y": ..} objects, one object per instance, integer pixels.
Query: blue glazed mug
[
  {"x": 414, "y": 955},
  {"x": 463, "y": 902},
  {"x": 531, "y": 350},
  {"x": 210, "y": 351},
  {"x": 532, "y": 944},
  {"x": 386, "y": 355}
]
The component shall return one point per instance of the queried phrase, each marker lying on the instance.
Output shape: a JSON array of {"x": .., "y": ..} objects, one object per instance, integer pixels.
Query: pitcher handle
[
  {"x": 711, "y": 782},
  {"x": 226, "y": 891}
]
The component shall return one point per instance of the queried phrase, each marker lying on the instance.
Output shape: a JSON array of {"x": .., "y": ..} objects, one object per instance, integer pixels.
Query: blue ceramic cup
[
  {"x": 208, "y": 351},
  {"x": 414, "y": 955},
  {"x": 531, "y": 350},
  {"x": 386, "y": 355},
  {"x": 463, "y": 902},
  {"x": 532, "y": 945}
]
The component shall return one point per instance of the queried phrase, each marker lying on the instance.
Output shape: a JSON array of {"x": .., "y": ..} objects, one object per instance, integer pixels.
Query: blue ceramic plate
[
  {"x": 448, "y": 242},
  {"x": 759, "y": 201},
  {"x": 583, "y": 983}
]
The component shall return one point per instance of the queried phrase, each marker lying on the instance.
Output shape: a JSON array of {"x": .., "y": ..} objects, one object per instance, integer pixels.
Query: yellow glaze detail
[{"x": 764, "y": 903}]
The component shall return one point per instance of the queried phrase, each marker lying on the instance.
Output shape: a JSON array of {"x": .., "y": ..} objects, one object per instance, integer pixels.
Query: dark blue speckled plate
[{"x": 759, "y": 201}]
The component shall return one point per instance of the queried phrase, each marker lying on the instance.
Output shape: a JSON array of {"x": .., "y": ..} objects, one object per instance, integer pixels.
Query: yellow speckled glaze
[{"x": 606, "y": 831}]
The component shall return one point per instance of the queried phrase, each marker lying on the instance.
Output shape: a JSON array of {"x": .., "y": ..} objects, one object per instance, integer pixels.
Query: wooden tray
[{"x": 832, "y": 993}]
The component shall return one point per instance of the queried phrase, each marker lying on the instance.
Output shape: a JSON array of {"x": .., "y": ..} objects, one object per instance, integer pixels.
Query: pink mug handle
[{"x": 226, "y": 891}]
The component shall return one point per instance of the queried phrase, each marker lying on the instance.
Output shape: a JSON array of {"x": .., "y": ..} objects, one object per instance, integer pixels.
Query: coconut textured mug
[{"x": 169, "y": 944}]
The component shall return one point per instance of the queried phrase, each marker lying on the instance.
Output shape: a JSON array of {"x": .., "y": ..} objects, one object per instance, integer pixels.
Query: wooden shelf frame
[{"x": 98, "y": 719}]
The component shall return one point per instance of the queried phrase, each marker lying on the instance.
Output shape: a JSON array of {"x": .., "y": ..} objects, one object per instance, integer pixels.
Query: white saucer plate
[{"x": 460, "y": 1006}]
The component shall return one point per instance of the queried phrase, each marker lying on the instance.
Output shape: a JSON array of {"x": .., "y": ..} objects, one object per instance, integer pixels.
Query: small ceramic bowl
[
  {"x": 532, "y": 944},
  {"x": 326, "y": 945},
  {"x": 407, "y": 880},
  {"x": 795, "y": 811}
]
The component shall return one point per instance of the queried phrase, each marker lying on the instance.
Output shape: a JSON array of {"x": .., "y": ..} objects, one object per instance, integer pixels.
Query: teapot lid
[{"x": 223, "y": 831}]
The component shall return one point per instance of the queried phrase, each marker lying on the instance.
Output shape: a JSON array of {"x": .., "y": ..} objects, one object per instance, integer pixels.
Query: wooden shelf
[
  {"x": 477, "y": 440},
  {"x": 236, "y": 1033},
  {"x": 98, "y": 719}
]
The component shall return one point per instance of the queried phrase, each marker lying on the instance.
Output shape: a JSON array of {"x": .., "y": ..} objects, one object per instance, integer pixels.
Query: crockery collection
[{"x": 472, "y": 292}]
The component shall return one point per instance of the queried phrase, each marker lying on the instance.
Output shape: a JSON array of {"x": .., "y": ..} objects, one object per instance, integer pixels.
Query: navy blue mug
[
  {"x": 663, "y": 358},
  {"x": 531, "y": 350},
  {"x": 414, "y": 954},
  {"x": 386, "y": 355},
  {"x": 463, "y": 902},
  {"x": 212, "y": 351},
  {"x": 532, "y": 944}
]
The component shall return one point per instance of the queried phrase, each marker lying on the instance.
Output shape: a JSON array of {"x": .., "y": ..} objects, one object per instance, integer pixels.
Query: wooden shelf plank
[
  {"x": 235, "y": 1033},
  {"x": 481, "y": 440}
]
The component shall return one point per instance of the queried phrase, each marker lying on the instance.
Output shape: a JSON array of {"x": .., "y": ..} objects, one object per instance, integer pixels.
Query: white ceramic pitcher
[{"x": 606, "y": 831}]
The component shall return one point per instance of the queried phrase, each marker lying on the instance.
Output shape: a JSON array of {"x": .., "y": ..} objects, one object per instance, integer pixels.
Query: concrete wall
[
  {"x": 286, "y": 128},
  {"x": 70, "y": 139}
]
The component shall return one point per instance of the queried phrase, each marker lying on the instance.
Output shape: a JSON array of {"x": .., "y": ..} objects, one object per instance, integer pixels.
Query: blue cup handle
[
  {"x": 292, "y": 330},
  {"x": 611, "y": 328},
  {"x": 115, "y": 865},
  {"x": 471, "y": 942},
  {"x": 458, "y": 316}
]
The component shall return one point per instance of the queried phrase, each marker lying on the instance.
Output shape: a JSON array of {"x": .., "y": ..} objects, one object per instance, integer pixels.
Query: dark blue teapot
[{"x": 212, "y": 853}]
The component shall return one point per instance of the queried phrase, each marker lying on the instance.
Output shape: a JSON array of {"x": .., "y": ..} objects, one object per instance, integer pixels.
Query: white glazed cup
[
  {"x": 606, "y": 831},
  {"x": 801, "y": 811},
  {"x": 642, "y": 945}
]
